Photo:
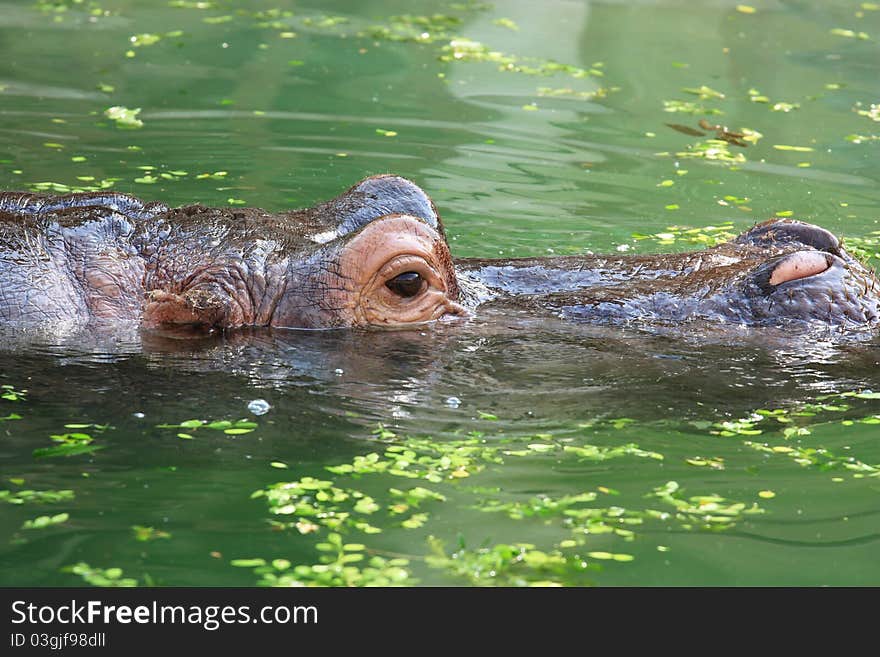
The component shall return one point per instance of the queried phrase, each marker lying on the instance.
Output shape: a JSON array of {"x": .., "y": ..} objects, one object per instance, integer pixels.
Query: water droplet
[
  {"x": 138, "y": 415},
  {"x": 259, "y": 407},
  {"x": 338, "y": 372},
  {"x": 453, "y": 402}
]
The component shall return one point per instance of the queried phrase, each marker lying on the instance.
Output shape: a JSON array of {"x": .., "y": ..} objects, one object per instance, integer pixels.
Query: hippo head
[
  {"x": 377, "y": 256},
  {"x": 374, "y": 256}
]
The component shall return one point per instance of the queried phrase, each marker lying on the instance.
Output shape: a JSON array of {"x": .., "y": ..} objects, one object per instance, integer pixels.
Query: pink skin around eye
[{"x": 799, "y": 265}]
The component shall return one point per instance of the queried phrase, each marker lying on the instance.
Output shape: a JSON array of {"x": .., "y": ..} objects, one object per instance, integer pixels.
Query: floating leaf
[{"x": 124, "y": 117}]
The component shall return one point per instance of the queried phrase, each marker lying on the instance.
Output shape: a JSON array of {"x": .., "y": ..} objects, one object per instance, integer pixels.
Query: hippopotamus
[{"x": 377, "y": 256}]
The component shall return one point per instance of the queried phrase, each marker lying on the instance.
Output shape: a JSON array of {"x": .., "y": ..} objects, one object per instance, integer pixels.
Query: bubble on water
[
  {"x": 453, "y": 402},
  {"x": 259, "y": 407},
  {"x": 338, "y": 372}
]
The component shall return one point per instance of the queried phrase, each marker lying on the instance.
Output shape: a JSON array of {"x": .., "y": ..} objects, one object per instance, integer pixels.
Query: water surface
[{"x": 600, "y": 456}]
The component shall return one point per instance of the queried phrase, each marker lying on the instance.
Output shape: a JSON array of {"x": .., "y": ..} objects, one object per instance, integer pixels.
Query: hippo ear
[{"x": 378, "y": 196}]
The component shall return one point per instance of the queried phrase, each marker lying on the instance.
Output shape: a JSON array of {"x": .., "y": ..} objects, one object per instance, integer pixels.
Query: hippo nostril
[{"x": 799, "y": 265}]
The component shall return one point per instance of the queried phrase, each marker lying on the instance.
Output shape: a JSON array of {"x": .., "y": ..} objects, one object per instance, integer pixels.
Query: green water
[{"x": 621, "y": 457}]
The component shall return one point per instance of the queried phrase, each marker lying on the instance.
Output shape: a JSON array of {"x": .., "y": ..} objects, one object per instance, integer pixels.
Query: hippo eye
[{"x": 407, "y": 284}]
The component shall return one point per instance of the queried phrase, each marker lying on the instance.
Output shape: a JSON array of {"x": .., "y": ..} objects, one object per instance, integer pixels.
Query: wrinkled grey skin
[
  {"x": 105, "y": 256},
  {"x": 727, "y": 284},
  {"x": 71, "y": 259}
]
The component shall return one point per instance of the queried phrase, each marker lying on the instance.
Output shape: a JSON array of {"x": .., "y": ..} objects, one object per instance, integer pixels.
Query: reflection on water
[{"x": 525, "y": 369}]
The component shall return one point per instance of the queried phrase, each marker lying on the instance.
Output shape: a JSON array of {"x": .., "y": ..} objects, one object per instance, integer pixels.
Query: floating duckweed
[
  {"x": 798, "y": 149},
  {"x": 236, "y": 428},
  {"x": 819, "y": 457},
  {"x": 70, "y": 444},
  {"x": 850, "y": 34},
  {"x": 415, "y": 521},
  {"x": 100, "y": 576},
  {"x": 706, "y": 511},
  {"x": 49, "y": 186},
  {"x": 124, "y": 117},
  {"x": 191, "y": 4},
  {"x": 424, "y": 459},
  {"x": 506, "y": 22},
  {"x": 688, "y": 107},
  {"x": 712, "y": 149},
  {"x": 336, "y": 568},
  {"x": 859, "y": 139},
  {"x": 541, "y": 505},
  {"x": 247, "y": 563},
  {"x": 140, "y": 40},
  {"x": 716, "y": 463},
  {"x": 568, "y": 92},
  {"x": 42, "y": 522},
  {"x": 610, "y": 556},
  {"x": 325, "y": 21},
  {"x": 145, "y": 534},
  {"x": 745, "y": 9},
  {"x": 319, "y": 502},
  {"x": 704, "y": 93},
  {"x": 745, "y": 427},
  {"x": 873, "y": 112},
  {"x": 467, "y": 50},
  {"x": 757, "y": 97},
  {"x": 10, "y": 393},
  {"x": 331, "y": 509},
  {"x": 706, "y": 236},
  {"x": 518, "y": 564},
  {"x": 594, "y": 453},
  {"x": 386, "y": 133},
  {"x": 418, "y": 29},
  {"x": 36, "y": 496},
  {"x": 411, "y": 499}
]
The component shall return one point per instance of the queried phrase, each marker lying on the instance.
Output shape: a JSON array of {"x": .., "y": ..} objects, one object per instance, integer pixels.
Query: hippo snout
[{"x": 813, "y": 285}]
